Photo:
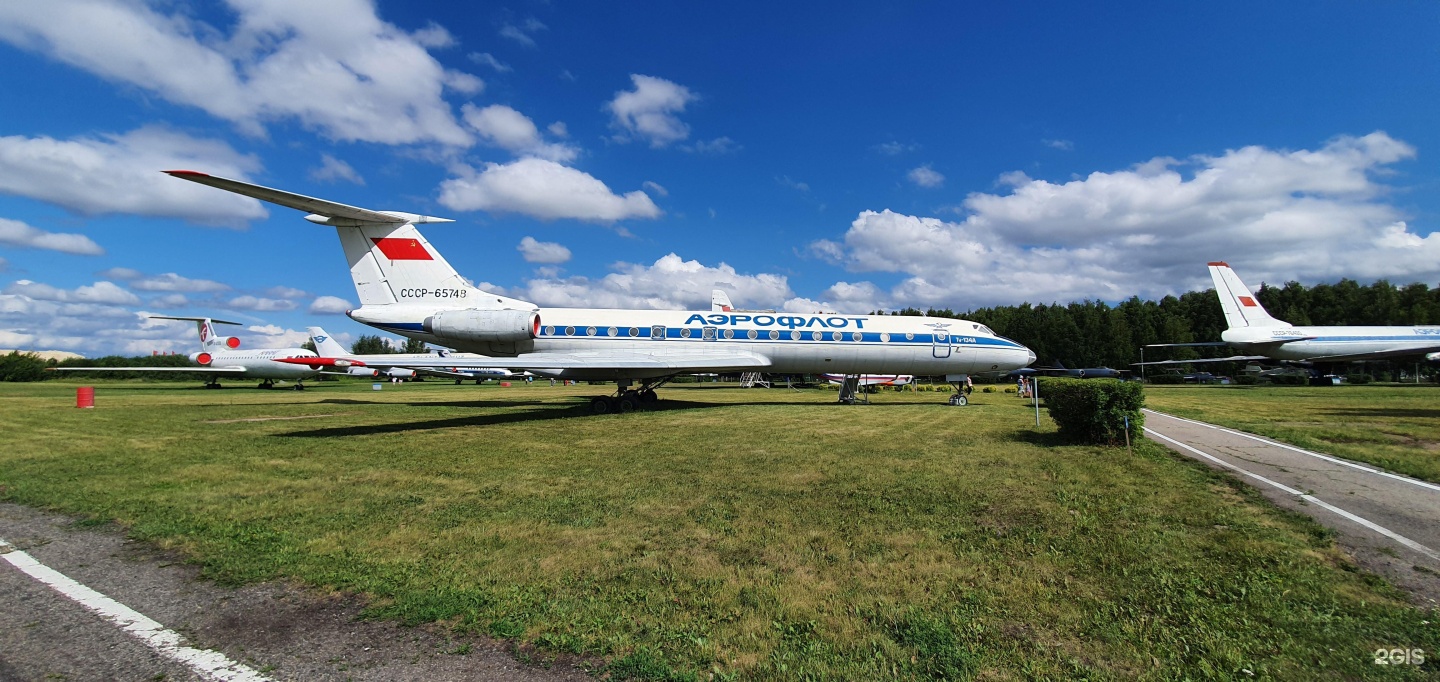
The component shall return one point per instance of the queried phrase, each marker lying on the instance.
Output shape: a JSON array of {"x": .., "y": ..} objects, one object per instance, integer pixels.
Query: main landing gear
[
  {"x": 213, "y": 382},
  {"x": 266, "y": 384},
  {"x": 628, "y": 399}
]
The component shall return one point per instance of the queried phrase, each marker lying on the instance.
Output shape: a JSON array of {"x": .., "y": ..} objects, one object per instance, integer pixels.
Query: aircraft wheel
[
  {"x": 628, "y": 403},
  {"x": 458, "y": 381},
  {"x": 648, "y": 396},
  {"x": 959, "y": 399},
  {"x": 299, "y": 387},
  {"x": 602, "y": 405}
]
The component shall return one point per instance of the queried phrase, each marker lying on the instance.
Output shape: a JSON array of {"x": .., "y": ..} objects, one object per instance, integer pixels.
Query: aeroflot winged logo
[
  {"x": 321, "y": 339},
  {"x": 402, "y": 249}
]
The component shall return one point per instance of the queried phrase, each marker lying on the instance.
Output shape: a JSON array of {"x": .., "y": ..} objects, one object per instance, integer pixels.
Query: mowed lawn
[
  {"x": 1393, "y": 426},
  {"x": 731, "y": 534}
]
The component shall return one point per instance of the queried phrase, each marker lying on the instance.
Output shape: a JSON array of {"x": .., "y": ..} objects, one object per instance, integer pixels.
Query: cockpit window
[{"x": 984, "y": 329}]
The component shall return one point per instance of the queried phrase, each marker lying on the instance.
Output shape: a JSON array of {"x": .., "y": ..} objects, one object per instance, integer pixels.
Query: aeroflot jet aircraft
[
  {"x": 405, "y": 286},
  {"x": 1252, "y": 330},
  {"x": 220, "y": 356}
]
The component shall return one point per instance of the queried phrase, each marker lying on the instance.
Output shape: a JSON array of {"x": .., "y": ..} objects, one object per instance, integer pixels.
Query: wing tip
[{"x": 179, "y": 173}]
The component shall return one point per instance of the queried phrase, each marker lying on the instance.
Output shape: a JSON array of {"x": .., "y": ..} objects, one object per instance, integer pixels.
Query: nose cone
[{"x": 1030, "y": 357}]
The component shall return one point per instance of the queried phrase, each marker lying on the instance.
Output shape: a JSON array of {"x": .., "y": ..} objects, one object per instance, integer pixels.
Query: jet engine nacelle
[
  {"x": 230, "y": 342},
  {"x": 505, "y": 326},
  {"x": 363, "y": 372},
  {"x": 400, "y": 373},
  {"x": 1432, "y": 357}
]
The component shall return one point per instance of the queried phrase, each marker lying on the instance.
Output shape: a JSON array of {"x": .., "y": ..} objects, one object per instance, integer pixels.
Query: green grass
[
  {"x": 760, "y": 534},
  {"x": 1393, "y": 426}
]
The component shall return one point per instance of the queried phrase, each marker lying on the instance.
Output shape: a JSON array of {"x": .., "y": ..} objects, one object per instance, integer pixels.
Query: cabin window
[
  {"x": 816, "y": 336},
  {"x": 708, "y": 333},
  {"x": 774, "y": 335},
  {"x": 729, "y": 333},
  {"x": 856, "y": 336},
  {"x": 657, "y": 332},
  {"x": 884, "y": 337},
  {"x": 589, "y": 331},
  {"x": 634, "y": 331},
  {"x": 836, "y": 336},
  {"x": 569, "y": 331},
  {"x": 794, "y": 336},
  {"x": 550, "y": 331},
  {"x": 909, "y": 336},
  {"x": 685, "y": 333},
  {"x": 613, "y": 331},
  {"x": 752, "y": 334}
]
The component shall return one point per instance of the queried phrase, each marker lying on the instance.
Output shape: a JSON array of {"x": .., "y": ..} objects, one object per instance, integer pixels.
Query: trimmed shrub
[
  {"x": 1358, "y": 378},
  {"x": 1094, "y": 410},
  {"x": 1247, "y": 380}
]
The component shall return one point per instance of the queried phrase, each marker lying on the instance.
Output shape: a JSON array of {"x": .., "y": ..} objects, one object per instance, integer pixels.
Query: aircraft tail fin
[
  {"x": 209, "y": 339},
  {"x": 390, "y": 261},
  {"x": 1240, "y": 305},
  {"x": 720, "y": 302},
  {"x": 325, "y": 346}
]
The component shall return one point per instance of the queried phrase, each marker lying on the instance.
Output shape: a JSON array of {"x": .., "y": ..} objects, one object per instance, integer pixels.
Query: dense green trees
[{"x": 1094, "y": 333}]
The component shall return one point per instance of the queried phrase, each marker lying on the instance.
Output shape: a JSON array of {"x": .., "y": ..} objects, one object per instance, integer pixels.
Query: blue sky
[{"x": 829, "y": 156}]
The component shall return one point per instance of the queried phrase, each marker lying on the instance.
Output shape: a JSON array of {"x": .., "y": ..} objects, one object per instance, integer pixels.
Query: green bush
[
  {"x": 1247, "y": 380},
  {"x": 1094, "y": 410},
  {"x": 1358, "y": 378},
  {"x": 1289, "y": 380},
  {"x": 17, "y": 366}
]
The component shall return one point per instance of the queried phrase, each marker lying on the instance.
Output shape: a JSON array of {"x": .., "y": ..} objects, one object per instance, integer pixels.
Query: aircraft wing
[
  {"x": 1233, "y": 358},
  {"x": 197, "y": 370}
]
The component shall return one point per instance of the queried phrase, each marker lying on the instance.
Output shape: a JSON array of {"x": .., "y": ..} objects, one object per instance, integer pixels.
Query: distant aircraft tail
[
  {"x": 720, "y": 302},
  {"x": 209, "y": 340},
  {"x": 325, "y": 346},
  {"x": 390, "y": 261},
  {"x": 1240, "y": 306}
]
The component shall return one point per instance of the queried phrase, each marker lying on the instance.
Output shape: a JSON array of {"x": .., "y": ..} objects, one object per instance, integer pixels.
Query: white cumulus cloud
[
  {"x": 925, "y": 176},
  {"x": 332, "y": 169},
  {"x": 282, "y": 60},
  {"x": 670, "y": 283},
  {"x": 121, "y": 174},
  {"x": 1309, "y": 215},
  {"x": 329, "y": 305},
  {"x": 511, "y": 130},
  {"x": 543, "y": 189},
  {"x": 542, "y": 252},
  {"x": 260, "y": 304},
  {"x": 18, "y": 234},
  {"x": 649, "y": 111},
  {"x": 105, "y": 293}
]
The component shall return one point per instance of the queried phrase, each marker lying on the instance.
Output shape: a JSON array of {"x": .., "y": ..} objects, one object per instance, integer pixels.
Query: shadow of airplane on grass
[
  {"x": 509, "y": 417},
  {"x": 1421, "y": 413}
]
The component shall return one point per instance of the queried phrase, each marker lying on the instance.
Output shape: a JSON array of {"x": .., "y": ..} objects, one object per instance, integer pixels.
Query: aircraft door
[
  {"x": 708, "y": 333},
  {"x": 657, "y": 332},
  {"x": 941, "y": 344}
]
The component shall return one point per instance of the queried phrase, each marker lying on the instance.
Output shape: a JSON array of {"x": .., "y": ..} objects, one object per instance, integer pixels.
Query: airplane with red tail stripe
[
  {"x": 405, "y": 286},
  {"x": 221, "y": 356}
]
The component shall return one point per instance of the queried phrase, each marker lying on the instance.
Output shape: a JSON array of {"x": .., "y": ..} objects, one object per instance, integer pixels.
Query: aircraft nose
[{"x": 1030, "y": 357}]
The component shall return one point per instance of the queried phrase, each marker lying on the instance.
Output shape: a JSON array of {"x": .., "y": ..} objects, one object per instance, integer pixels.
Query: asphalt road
[
  {"x": 278, "y": 631},
  {"x": 1389, "y": 523}
]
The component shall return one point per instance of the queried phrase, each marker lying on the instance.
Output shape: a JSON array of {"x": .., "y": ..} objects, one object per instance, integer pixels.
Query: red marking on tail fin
[
  {"x": 402, "y": 249},
  {"x": 1247, "y": 301},
  {"x": 1220, "y": 263}
]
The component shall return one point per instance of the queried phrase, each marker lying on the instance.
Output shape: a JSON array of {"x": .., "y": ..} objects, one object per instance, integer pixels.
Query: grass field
[
  {"x": 732, "y": 534},
  {"x": 1393, "y": 426}
]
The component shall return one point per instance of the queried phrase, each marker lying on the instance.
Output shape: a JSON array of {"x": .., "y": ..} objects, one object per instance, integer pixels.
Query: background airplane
[
  {"x": 221, "y": 356},
  {"x": 1058, "y": 369},
  {"x": 390, "y": 365},
  {"x": 406, "y": 287},
  {"x": 1253, "y": 331}
]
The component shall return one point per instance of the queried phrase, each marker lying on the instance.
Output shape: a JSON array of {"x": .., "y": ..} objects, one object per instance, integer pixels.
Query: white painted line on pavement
[
  {"x": 210, "y": 665},
  {"x": 1304, "y": 496},
  {"x": 1292, "y": 448}
]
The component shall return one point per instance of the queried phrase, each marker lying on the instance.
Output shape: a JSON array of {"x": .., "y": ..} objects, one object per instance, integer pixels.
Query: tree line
[{"x": 1094, "y": 333}]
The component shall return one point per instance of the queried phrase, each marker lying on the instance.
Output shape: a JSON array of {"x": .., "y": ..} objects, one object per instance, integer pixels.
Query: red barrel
[
  {"x": 85, "y": 396},
  {"x": 505, "y": 384}
]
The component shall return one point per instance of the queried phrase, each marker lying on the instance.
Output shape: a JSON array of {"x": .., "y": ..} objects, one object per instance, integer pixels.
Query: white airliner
[
  {"x": 1254, "y": 331},
  {"x": 221, "y": 356},
  {"x": 406, "y": 287},
  {"x": 390, "y": 365}
]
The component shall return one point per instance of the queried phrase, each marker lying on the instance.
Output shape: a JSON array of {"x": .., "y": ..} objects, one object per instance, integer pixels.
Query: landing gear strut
[
  {"x": 266, "y": 384},
  {"x": 628, "y": 399},
  {"x": 213, "y": 382}
]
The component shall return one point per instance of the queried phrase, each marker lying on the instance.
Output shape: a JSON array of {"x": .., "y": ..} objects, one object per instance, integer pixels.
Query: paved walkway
[{"x": 1389, "y": 522}]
